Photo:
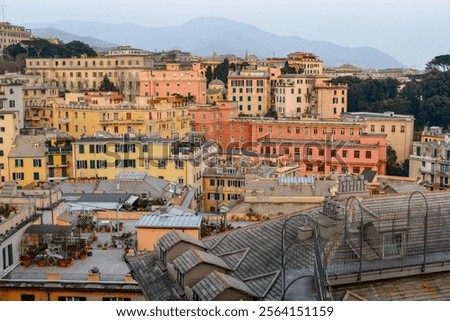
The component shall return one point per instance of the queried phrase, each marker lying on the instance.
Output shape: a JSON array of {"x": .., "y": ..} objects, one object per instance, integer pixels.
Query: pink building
[{"x": 175, "y": 79}]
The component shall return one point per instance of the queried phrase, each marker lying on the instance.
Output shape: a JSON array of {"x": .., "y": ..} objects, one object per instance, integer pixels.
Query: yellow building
[
  {"x": 399, "y": 129},
  {"x": 27, "y": 161},
  {"x": 222, "y": 186},
  {"x": 122, "y": 66},
  {"x": 162, "y": 117},
  {"x": 38, "y": 102},
  {"x": 9, "y": 129},
  {"x": 432, "y": 134},
  {"x": 12, "y": 35},
  {"x": 216, "y": 92},
  {"x": 181, "y": 161}
]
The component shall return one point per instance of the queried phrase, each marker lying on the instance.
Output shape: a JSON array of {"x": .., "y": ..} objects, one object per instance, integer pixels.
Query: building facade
[
  {"x": 122, "y": 68},
  {"x": 12, "y": 35},
  {"x": 175, "y": 79},
  {"x": 399, "y": 129}
]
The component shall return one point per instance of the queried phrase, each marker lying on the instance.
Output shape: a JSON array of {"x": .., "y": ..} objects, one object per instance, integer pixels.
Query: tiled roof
[
  {"x": 174, "y": 237},
  {"x": 193, "y": 257},
  {"x": 216, "y": 283},
  {"x": 155, "y": 284}
]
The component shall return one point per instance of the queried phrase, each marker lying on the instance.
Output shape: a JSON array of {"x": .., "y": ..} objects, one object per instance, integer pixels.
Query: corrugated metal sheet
[
  {"x": 170, "y": 221},
  {"x": 134, "y": 175},
  {"x": 297, "y": 180}
]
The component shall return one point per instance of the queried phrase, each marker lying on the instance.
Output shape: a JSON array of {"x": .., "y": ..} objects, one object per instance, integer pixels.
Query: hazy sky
[{"x": 412, "y": 31}]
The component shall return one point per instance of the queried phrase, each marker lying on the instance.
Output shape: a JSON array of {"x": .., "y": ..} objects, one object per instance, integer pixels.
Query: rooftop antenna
[{"x": 3, "y": 12}]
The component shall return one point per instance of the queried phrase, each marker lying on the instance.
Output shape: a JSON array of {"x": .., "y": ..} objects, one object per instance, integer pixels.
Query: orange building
[
  {"x": 319, "y": 146},
  {"x": 175, "y": 79}
]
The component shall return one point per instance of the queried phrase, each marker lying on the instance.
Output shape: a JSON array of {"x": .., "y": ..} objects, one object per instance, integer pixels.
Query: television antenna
[{"x": 3, "y": 6}]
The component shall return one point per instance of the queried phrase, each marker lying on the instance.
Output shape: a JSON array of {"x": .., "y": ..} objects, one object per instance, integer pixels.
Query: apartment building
[
  {"x": 38, "y": 100},
  {"x": 11, "y": 99},
  {"x": 309, "y": 96},
  {"x": 27, "y": 160},
  {"x": 12, "y": 35},
  {"x": 9, "y": 129},
  {"x": 175, "y": 79},
  {"x": 303, "y": 62},
  {"x": 399, "y": 129},
  {"x": 176, "y": 160},
  {"x": 430, "y": 161},
  {"x": 84, "y": 114},
  {"x": 122, "y": 67},
  {"x": 250, "y": 88}
]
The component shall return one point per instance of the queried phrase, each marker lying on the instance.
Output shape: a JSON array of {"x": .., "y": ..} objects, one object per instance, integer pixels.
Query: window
[
  {"x": 321, "y": 152},
  {"x": 92, "y": 163},
  {"x": 18, "y": 162},
  {"x": 179, "y": 164},
  {"x": 36, "y": 176},
  {"x": 321, "y": 168},
  {"x": 81, "y": 149},
  {"x": 315, "y": 130},
  {"x": 8, "y": 257},
  {"x": 81, "y": 164},
  {"x": 393, "y": 129},
  {"x": 392, "y": 244},
  {"x": 402, "y": 128},
  {"x": 71, "y": 298},
  {"x": 368, "y": 154},
  {"x": 37, "y": 163},
  {"x": 356, "y": 154},
  {"x": 91, "y": 149},
  {"x": 333, "y": 153},
  {"x": 372, "y": 128},
  {"x": 344, "y": 153},
  {"x": 356, "y": 170},
  {"x": 309, "y": 167},
  {"x": 212, "y": 182},
  {"x": 27, "y": 297},
  {"x": 342, "y": 131},
  {"x": 12, "y": 103},
  {"x": 382, "y": 129},
  {"x": 18, "y": 176}
]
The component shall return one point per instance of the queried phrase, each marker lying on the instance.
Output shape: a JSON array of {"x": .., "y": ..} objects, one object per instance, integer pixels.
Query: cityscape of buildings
[{"x": 180, "y": 186}]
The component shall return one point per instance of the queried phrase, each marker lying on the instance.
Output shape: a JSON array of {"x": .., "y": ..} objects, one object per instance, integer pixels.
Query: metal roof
[
  {"x": 134, "y": 175},
  {"x": 168, "y": 240},
  {"x": 49, "y": 229},
  {"x": 170, "y": 221},
  {"x": 297, "y": 180},
  {"x": 216, "y": 283},
  {"x": 193, "y": 257}
]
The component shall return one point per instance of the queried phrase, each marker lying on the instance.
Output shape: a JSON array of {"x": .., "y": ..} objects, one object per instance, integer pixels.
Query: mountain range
[{"x": 204, "y": 36}]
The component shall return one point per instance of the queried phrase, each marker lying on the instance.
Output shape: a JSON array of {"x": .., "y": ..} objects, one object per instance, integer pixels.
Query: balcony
[
  {"x": 64, "y": 120},
  {"x": 59, "y": 150},
  {"x": 121, "y": 121}
]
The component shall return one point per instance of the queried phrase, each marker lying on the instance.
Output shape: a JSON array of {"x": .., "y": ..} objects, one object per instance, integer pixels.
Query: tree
[
  {"x": 392, "y": 166},
  {"x": 288, "y": 69},
  {"x": 439, "y": 63},
  {"x": 107, "y": 85},
  {"x": 78, "y": 48},
  {"x": 209, "y": 74},
  {"x": 221, "y": 71}
]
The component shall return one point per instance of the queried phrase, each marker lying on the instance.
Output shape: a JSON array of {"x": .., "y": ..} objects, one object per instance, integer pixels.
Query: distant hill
[
  {"x": 203, "y": 36},
  {"x": 66, "y": 37}
]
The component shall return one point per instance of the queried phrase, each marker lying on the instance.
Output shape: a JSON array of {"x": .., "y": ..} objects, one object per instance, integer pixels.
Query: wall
[
  {"x": 147, "y": 237},
  {"x": 199, "y": 272}
]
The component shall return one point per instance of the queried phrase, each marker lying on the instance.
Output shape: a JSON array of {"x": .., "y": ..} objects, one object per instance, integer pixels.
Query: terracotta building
[{"x": 175, "y": 79}]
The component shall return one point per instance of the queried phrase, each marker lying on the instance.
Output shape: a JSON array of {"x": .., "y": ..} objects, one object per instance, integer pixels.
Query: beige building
[
  {"x": 304, "y": 62},
  {"x": 122, "y": 66},
  {"x": 38, "y": 100},
  {"x": 250, "y": 88},
  {"x": 11, "y": 35},
  {"x": 308, "y": 95},
  {"x": 399, "y": 129}
]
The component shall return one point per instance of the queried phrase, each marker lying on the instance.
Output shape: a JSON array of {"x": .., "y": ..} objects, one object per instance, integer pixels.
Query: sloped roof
[
  {"x": 216, "y": 283},
  {"x": 193, "y": 257},
  {"x": 174, "y": 237},
  {"x": 169, "y": 221}
]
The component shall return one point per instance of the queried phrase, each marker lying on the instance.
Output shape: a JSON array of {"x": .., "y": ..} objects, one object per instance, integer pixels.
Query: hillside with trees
[{"x": 427, "y": 96}]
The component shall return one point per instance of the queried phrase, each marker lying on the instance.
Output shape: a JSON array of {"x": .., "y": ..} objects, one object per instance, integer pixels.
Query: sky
[{"x": 412, "y": 31}]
